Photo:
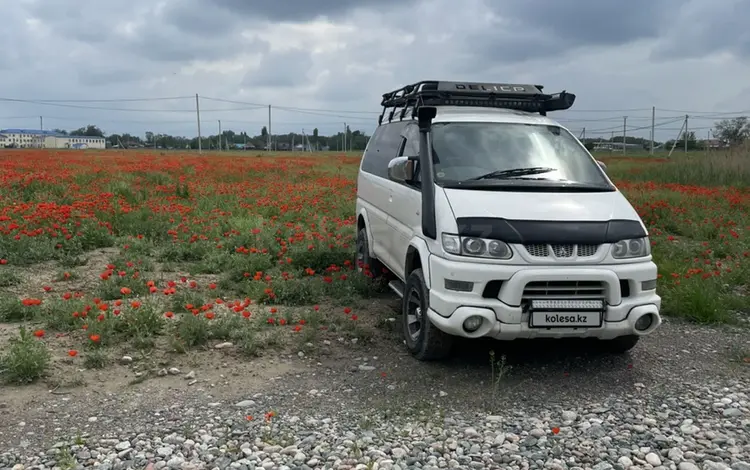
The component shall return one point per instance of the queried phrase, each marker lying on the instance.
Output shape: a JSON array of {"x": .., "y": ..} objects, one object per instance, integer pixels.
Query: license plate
[{"x": 565, "y": 319}]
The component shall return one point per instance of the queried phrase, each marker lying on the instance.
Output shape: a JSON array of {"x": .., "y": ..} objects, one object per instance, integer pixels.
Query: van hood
[{"x": 527, "y": 205}]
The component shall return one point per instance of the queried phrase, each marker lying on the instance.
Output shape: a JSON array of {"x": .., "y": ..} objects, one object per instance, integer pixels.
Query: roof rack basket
[{"x": 489, "y": 95}]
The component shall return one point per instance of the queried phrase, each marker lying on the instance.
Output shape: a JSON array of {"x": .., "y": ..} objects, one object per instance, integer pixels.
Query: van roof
[
  {"x": 465, "y": 114},
  {"x": 482, "y": 114}
]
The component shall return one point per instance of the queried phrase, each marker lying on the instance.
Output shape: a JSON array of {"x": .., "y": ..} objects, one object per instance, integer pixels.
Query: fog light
[
  {"x": 473, "y": 323},
  {"x": 648, "y": 285},
  {"x": 460, "y": 286},
  {"x": 644, "y": 323}
]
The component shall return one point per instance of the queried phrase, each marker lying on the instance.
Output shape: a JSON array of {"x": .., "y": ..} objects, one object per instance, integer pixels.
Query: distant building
[
  {"x": 23, "y": 138},
  {"x": 615, "y": 146},
  {"x": 714, "y": 144},
  {"x": 74, "y": 142},
  {"x": 30, "y": 138}
]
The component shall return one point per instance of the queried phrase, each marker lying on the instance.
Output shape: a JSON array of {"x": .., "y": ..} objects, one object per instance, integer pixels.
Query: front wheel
[
  {"x": 423, "y": 340},
  {"x": 621, "y": 344}
]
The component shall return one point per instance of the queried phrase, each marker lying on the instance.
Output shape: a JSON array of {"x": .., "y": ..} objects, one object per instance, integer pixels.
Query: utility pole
[
  {"x": 674, "y": 144},
  {"x": 624, "y": 134},
  {"x": 41, "y": 128},
  {"x": 345, "y": 137},
  {"x": 198, "y": 114},
  {"x": 653, "y": 125},
  {"x": 708, "y": 142},
  {"x": 686, "y": 133},
  {"x": 269, "y": 128},
  {"x": 220, "y": 135}
]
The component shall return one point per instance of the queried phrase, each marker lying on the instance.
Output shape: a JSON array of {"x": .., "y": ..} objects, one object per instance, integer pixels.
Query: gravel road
[{"x": 680, "y": 400}]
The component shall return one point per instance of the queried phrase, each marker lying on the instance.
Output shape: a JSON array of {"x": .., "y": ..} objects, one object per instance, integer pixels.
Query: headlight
[
  {"x": 477, "y": 247},
  {"x": 633, "y": 248}
]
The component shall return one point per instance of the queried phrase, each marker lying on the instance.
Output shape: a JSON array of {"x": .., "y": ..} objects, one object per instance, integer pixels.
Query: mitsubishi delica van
[{"x": 495, "y": 221}]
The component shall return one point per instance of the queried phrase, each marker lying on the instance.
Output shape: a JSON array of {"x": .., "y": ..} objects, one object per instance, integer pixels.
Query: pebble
[
  {"x": 653, "y": 459},
  {"x": 630, "y": 432}
]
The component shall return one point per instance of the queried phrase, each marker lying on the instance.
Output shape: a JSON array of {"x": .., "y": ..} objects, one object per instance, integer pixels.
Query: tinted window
[
  {"x": 383, "y": 147},
  {"x": 464, "y": 150}
]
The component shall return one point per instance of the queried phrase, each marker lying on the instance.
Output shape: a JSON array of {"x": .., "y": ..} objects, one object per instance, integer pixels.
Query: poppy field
[{"x": 105, "y": 254}]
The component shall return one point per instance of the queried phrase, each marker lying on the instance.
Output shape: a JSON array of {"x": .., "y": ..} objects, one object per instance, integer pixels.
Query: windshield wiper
[{"x": 504, "y": 174}]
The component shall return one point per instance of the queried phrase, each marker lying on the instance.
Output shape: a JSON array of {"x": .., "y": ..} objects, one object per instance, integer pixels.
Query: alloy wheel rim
[{"x": 414, "y": 314}]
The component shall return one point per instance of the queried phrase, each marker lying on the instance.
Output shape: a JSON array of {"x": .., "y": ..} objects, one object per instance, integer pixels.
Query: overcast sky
[{"x": 335, "y": 58}]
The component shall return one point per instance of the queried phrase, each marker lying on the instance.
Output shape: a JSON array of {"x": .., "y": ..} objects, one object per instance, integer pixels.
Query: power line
[
  {"x": 621, "y": 119},
  {"x": 289, "y": 108},
  {"x": 102, "y": 108},
  {"x": 716, "y": 113},
  {"x": 312, "y": 113},
  {"x": 251, "y": 105},
  {"x": 118, "y": 100}
]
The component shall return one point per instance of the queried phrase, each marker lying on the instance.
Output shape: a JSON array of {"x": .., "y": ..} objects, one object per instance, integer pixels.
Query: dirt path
[{"x": 346, "y": 377}]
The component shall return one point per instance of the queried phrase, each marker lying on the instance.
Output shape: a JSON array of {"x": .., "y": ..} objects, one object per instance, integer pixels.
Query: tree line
[
  {"x": 727, "y": 133},
  {"x": 230, "y": 140}
]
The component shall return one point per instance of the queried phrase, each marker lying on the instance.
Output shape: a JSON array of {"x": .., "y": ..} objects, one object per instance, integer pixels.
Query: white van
[{"x": 497, "y": 222}]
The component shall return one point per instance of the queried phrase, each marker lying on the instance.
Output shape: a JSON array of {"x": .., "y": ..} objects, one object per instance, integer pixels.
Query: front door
[{"x": 404, "y": 215}]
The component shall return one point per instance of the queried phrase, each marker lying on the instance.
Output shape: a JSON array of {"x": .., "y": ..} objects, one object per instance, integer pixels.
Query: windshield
[{"x": 468, "y": 151}]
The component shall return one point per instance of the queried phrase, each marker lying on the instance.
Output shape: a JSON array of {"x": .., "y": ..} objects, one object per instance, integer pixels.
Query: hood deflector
[{"x": 550, "y": 232}]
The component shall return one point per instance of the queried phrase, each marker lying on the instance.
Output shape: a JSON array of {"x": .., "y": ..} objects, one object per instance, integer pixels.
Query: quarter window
[{"x": 384, "y": 146}]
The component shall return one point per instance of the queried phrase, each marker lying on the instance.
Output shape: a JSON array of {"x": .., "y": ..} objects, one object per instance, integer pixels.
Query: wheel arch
[
  {"x": 364, "y": 223},
  {"x": 417, "y": 256}
]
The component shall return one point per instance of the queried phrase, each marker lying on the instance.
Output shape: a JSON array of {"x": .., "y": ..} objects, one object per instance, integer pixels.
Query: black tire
[
  {"x": 423, "y": 339},
  {"x": 363, "y": 256},
  {"x": 621, "y": 344}
]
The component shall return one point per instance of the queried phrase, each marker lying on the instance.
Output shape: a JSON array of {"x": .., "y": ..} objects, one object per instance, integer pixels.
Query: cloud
[
  {"x": 334, "y": 59},
  {"x": 714, "y": 28},
  {"x": 522, "y": 31},
  {"x": 95, "y": 77},
  {"x": 281, "y": 70},
  {"x": 298, "y": 11}
]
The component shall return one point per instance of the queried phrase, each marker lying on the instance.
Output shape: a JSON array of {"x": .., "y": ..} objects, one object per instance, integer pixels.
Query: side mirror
[
  {"x": 602, "y": 164},
  {"x": 401, "y": 169}
]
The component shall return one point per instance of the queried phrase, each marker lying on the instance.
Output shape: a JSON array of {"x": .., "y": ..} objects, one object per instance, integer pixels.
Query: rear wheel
[
  {"x": 365, "y": 262},
  {"x": 621, "y": 344},
  {"x": 423, "y": 340}
]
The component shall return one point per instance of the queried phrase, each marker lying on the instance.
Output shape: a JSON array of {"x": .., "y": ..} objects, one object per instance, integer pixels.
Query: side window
[
  {"x": 369, "y": 159},
  {"x": 384, "y": 147}
]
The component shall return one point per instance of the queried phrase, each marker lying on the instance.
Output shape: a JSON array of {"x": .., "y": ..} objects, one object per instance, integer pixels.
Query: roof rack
[{"x": 493, "y": 95}]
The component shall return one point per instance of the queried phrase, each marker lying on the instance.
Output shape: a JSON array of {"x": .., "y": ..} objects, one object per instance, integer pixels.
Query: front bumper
[{"x": 500, "y": 295}]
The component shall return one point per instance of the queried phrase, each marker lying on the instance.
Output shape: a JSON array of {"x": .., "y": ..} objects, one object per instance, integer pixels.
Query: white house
[
  {"x": 58, "y": 141},
  {"x": 34, "y": 138},
  {"x": 22, "y": 138}
]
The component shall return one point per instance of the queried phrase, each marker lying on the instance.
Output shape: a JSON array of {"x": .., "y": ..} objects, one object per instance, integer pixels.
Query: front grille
[
  {"x": 539, "y": 251},
  {"x": 561, "y": 251},
  {"x": 564, "y": 290}
]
